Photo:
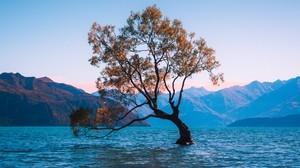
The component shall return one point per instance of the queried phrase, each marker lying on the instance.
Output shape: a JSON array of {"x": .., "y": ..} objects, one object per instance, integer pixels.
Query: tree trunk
[{"x": 184, "y": 132}]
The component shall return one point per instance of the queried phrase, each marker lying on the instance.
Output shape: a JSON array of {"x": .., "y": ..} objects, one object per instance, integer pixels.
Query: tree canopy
[{"x": 151, "y": 54}]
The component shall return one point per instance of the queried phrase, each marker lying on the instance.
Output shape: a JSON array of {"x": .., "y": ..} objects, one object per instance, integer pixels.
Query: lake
[{"x": 150, "y": 147}]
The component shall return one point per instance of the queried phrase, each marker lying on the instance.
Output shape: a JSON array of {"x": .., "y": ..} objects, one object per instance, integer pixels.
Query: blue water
[{"x": 150, "y": 147}]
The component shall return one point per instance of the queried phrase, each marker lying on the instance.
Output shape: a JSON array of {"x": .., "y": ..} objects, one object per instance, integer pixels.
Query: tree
[
  {"x": 80, "y": 118},
  {"x": 148, "y": 56}
]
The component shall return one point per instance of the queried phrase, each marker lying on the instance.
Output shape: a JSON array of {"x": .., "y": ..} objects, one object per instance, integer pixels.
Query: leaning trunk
[{"x": 184, "y": 132}]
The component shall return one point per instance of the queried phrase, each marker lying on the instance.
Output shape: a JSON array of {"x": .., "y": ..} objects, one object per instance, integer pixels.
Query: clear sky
[{"x": 253, "y": 39}]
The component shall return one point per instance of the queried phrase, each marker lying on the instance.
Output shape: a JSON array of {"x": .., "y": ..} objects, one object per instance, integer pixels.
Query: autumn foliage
[{"x": 148, "y": 56}]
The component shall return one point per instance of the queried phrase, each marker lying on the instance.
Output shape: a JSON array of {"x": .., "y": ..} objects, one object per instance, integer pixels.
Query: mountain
[
  {"x": 280, "y": 102},
  {"x": 213, "y": 108},
  {"x": 196, "y": 92},
  {"x": 29, "y": 101},
  {"x": 286, "y": 121},
  {"x": 230, "y": 98},
  {"x": 200, "y": 107}
]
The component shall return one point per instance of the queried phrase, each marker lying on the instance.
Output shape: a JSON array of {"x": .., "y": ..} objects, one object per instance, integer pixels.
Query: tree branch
[
  {"x": 173, "y": 87},
  {"x": 144, "y": 92},
  {"x": 134, "y": 120},
  {"x": 181, "y": 90},
  {"x": 129, "y": 111},
  {"x": 165, "y": 81}
]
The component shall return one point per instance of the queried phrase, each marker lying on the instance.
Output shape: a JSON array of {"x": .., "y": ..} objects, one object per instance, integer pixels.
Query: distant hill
[
  {"x": 214, "y": 108},
  {"x": 287, "y": 121},
  {"x": 30, "y": 101},
  {"x": 280, "y": 102},
  {"x": 200, "y": 107},
  {"x": 230, "y": 98},
  {"x": 41, "y": 101}
]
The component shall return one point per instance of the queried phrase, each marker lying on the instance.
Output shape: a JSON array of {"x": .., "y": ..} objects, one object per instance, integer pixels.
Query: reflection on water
[{"x": 150, "y": 147}]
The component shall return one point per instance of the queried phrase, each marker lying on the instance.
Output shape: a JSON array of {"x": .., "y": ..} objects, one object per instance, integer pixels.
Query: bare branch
[
  {"x": 181, "y": 90},
  {"x": 129, "y": 111},
  {"x": 122, "y": 127},
  {"x": 165, "y": 80},
  {"x": 173, "y": 87},
  {"x": 135, "y": 120},
  {"x": 144, "y": 92}
]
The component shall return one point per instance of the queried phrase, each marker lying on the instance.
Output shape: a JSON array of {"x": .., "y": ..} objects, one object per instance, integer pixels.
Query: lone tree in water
[{"x": 149, "y": 55}]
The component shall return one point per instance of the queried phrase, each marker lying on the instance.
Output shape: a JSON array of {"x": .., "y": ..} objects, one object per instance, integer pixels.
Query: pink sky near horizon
[{"x": 90, "y": 87}]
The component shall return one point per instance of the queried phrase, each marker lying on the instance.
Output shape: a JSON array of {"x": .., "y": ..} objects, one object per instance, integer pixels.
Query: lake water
[{"x": 150, "y": 147}]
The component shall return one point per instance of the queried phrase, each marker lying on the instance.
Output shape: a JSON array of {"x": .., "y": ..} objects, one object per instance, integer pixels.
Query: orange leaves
[
  {"x": 113, "y": 70},
  {"x": 216, "y": 78},
  {"x": 109, "y": 114},
  {"x": 103, "y": 117},
  {"x": 147, "y": 52},
  {"x": 151, "y": 15},
  {"x": 94, "y": 60},
  {"x": 164, "y": 27}
]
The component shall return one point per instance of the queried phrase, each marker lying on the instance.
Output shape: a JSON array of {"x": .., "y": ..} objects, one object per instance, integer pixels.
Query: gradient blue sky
[{"x": 253, "y": 39}]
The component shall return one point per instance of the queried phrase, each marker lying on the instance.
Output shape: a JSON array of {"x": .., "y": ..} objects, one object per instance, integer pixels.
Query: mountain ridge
[
  {"x": 30, "y": 101},
  {"x": 199, "y": 107},
  {"x": 266, "y": 103},
  {"x": 215, "y": 108}
]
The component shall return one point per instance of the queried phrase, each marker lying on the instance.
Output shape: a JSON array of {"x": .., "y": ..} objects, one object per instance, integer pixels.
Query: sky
[{"x": 253, "y": 39}]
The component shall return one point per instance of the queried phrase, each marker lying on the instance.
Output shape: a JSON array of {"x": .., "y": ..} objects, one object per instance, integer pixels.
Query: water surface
[{"x": 150, "y": 147}]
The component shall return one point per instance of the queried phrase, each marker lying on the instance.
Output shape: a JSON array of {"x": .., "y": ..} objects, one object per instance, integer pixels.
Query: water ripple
[{"x": 150, "y": 147}]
